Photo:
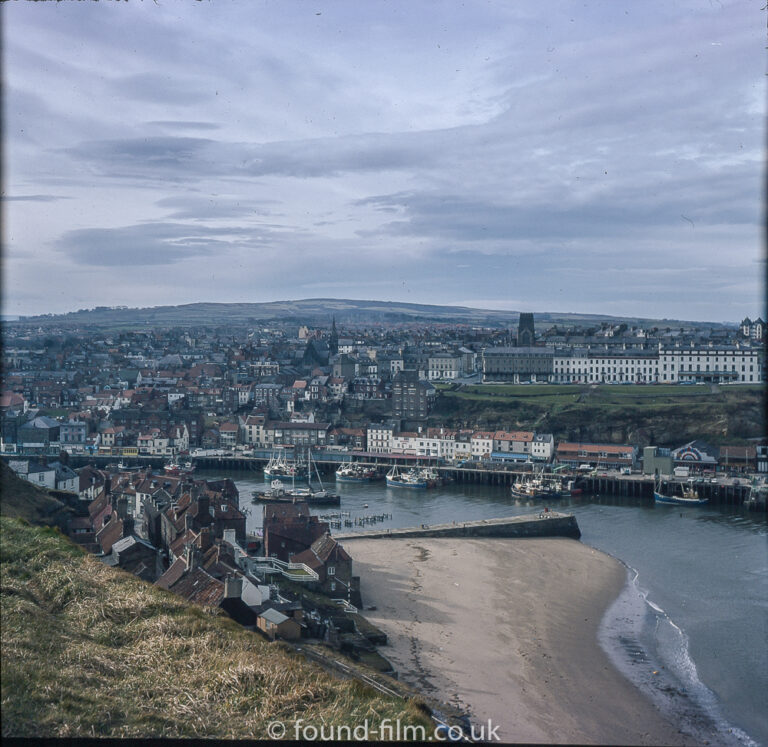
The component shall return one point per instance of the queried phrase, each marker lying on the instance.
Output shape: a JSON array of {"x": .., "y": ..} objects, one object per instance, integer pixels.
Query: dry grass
[{"x": 88, "y": 650}]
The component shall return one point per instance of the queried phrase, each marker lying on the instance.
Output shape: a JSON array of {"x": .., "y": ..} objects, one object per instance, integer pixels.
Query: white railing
[{"x": 280, "y": 566}]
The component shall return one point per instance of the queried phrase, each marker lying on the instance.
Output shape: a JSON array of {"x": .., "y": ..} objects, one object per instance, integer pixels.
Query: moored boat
[
  {"x": 688, "y": 496},
  {"x": 409, "y": 479},
  {"x": 432, "y": 477},
  {"x": 355, "y": 473},
  {"x": 279, "y": 493},
  {"x": 537, "y": 487},
  {"x": 279, "y": 468},
  {"x": 176, "y": 469}
]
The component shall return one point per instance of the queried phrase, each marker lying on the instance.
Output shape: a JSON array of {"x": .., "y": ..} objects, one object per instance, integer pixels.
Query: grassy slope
[
  {"x": 666, "y": 416},
  {"x": 91, "y": 650},
  {"x": 19, "y": 498}
]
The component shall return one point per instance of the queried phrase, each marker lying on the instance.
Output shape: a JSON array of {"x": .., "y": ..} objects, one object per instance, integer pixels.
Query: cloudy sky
[{"x": 586, "y": 156}]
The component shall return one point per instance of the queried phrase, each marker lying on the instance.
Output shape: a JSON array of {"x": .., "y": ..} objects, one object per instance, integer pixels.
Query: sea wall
[{"x": 549, "y": 524}]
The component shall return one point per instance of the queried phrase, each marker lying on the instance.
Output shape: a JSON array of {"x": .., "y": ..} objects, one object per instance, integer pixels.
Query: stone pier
[{"x": 543, "y": 524}]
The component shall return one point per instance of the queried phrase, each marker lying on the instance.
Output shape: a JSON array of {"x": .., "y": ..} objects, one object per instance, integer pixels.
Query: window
[
  {"x": 333, "y": 586},
  {"x": 331, "y": 570}
]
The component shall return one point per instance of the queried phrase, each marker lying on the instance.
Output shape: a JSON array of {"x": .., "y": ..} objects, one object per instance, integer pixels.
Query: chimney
[
  {"x": 188, "y": 519},
  {"x": 191, "y": 556},
  {"x": 205, "y": 539},
  {"x": 107, "y": 485},
  {"x": 230, "y": 537},
  {"x": 122, "y": 507},
  {"x": 203, "y": 506},
  {"x": 233, "y": 587}
]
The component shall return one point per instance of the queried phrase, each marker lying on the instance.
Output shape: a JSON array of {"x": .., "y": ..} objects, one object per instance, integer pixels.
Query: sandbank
[{"x": 506, "y": 629}]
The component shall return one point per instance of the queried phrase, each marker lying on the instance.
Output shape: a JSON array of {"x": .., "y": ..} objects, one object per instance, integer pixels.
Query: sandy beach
[{"x": 507, "y": 630}]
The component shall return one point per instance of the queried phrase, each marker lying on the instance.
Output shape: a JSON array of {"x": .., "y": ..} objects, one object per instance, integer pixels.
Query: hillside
[
  {"x": 19, "y": 498},
  {"x": 314, "y": 311},
  {"x": 658, "y": 415},
  {"x": 89, "y": 650}
]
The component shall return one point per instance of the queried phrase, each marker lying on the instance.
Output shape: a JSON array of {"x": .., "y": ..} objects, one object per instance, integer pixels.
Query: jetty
[{"x": 542, "y": 524}]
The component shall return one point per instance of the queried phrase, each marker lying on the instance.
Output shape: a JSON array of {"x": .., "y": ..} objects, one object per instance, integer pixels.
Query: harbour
[
  {"x": 718, "y": 489},
  {"x": 704, "y": 567}
]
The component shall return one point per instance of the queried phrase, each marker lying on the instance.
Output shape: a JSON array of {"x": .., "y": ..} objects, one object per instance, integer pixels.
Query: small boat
[
  {"x": 355, "y": 473},
  {"x": 409, "y": 479},
  {"x": 689, "y": 496},
  {"x": 176, "y": 469}
]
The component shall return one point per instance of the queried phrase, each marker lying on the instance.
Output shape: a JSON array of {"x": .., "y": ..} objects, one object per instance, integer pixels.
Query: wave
[{"x": 651, "y": 651}]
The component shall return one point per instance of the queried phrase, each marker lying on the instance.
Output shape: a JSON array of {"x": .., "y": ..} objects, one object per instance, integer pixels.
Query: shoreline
[{"x": 507, "y": 630}]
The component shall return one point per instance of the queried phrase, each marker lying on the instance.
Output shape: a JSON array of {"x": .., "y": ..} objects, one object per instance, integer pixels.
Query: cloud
[
  {"x": 152, "y": 244},
  {"x": 213, "y": 207},
  {"x": 187, "y": 159},
  {"x": 182, "y": 125},
  {"x": 387, "y": 143},
  {"x": 157, "y": 88},
  {"x": 32, "y": 198}
]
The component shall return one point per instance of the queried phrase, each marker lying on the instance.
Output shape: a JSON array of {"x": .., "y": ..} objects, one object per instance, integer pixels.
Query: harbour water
[{"x": 689, "y": 629}]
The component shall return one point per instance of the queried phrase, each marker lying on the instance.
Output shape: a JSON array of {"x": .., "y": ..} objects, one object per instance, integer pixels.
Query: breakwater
[{"x": 544, "y": 524}]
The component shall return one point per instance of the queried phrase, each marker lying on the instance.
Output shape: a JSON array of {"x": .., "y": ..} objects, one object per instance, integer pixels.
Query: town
[
  {"x": 139, "y": 408},
  {"x": 377, "y": 389}
]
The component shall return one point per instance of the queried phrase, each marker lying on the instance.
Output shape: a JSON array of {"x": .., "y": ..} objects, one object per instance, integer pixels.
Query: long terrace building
[{"x": 720, "y": 364}]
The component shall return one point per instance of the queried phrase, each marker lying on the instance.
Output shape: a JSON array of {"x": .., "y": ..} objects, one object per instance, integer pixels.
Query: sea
[{"x": 690, "y": 628}]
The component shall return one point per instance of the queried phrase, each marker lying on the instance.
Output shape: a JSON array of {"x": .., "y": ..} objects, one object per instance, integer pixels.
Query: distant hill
[{"x": 320, "y": 311}]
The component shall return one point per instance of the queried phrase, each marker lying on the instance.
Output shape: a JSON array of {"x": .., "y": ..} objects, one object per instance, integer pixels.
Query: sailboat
[{"x": 279, "y": 493}]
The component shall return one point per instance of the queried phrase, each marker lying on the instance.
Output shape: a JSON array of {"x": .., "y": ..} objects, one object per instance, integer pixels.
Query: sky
[{"x": 593, "y": 157}]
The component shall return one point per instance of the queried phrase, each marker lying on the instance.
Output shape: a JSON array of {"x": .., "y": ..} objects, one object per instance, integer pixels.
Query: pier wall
[{"x": 552, "y": 524}]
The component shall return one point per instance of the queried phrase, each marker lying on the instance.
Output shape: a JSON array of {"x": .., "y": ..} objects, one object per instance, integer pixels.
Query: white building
[
  {"x": 39, "y": 474},
  {"x": 443, "y": 367},
  {"x": 543, "y": 446},
  {"x": 715, "y": 364},
  {"x": 724, "y": 364},
  {"x": 379, "y": 437},
  {"x": 481, "y": 444},
  {"x": 581, "y": 365},
  {"x": 416, "y": 444}
]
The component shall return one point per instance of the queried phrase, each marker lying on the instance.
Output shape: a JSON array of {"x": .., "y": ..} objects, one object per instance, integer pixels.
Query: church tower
[
  {"x": 525, "y": 332},
  {"x": 333, "y": 340}
]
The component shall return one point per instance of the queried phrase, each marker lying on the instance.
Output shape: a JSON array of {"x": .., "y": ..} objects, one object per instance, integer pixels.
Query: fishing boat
[
  {"x": 689, "y": 496},
  {"x": 537, "y": 487},
  {"x": 409, "y": 479},
  {"x": 355, "y": 473},
  {"x": 280, "y": 468},
  {"x": 432, "y": 476},
  {"x": 176, "y": 469}
]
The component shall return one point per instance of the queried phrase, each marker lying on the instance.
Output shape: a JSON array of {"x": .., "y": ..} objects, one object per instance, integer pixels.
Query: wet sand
[{"x": 507, "y": 630}]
